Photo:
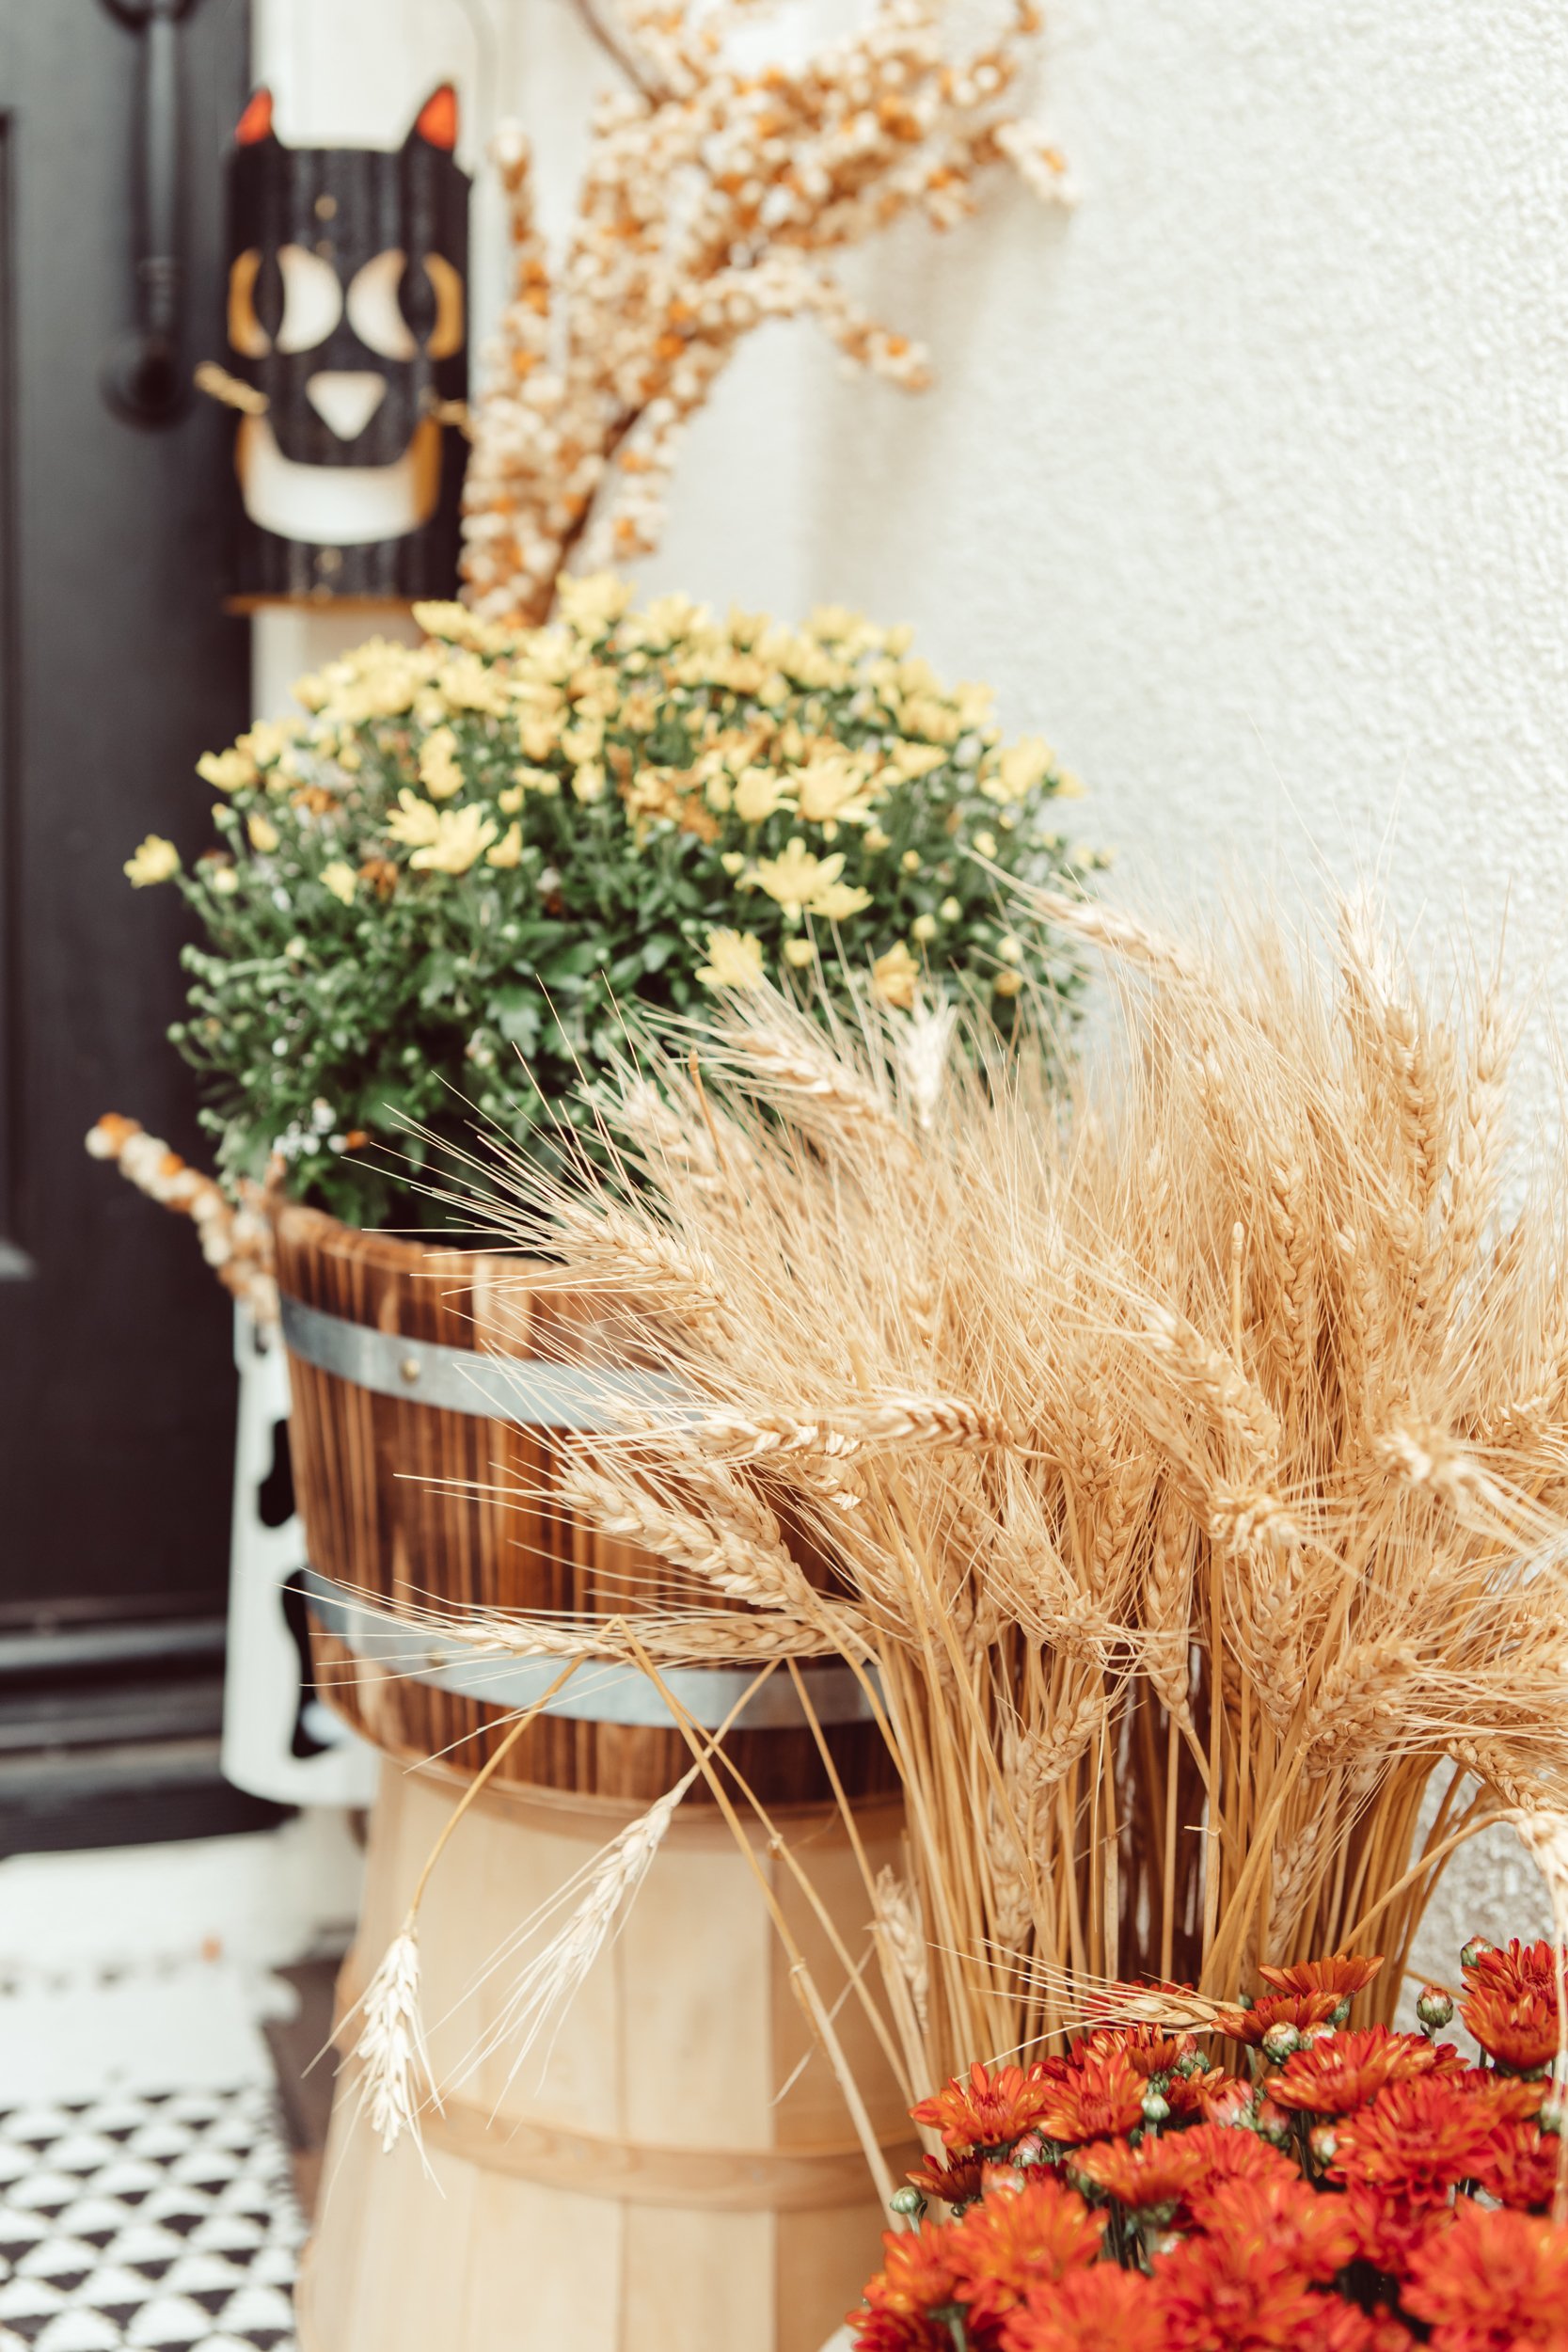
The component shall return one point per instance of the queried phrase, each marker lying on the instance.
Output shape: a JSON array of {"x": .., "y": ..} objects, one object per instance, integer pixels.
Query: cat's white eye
[
  {"x": 312, "y": 300},
  {"x": 373, "y": 307},
  {"x": 245, "y": 332}
]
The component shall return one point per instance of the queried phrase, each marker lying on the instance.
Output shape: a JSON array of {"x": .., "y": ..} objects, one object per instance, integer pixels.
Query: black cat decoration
[{"x": 348, "y": 343}]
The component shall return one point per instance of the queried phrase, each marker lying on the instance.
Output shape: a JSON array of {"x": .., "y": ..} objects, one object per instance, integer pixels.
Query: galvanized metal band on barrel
[
  {"x": 527, "y": 1389},
  {"x": 602, "y": 1690}
]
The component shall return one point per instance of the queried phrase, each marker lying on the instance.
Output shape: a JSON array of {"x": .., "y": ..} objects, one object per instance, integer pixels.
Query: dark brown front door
[{"x": 118, "y": 668}]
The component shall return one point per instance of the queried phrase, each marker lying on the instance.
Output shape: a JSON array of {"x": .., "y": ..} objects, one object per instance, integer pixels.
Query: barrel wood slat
[
  {"x": 644, "y": 2187},
  {"x": 417, "y": 1503}
]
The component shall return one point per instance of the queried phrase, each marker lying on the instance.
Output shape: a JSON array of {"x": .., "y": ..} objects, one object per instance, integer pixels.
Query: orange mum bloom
[
  {"x": 1390, "y": 2228},
  {"x": 1518, "y": 2029},
  {"x": 916, "y": 2277},
  {"x": 1087, "y": 2310},
  {"x": 987, "y": 2111},
  {"x": 1008, "y": 2244},
  {"x": 1336, "y": 2077},
  {"x": 954, "y": 2183},
  {"x": 1493, "y": 2282},
  {"x": 1158, "y": 2172},
  {"x": 1340, "y": 2326},
  {"x": 1419, "y": 2138},
  {"x": 1302, "y": 2009},
  {"x": 1249, "y": 2284},
  {"x": 1519, "y": 2168},
  {"x": 1344, "y": 1976},
  {"x": 1097, "y": 2096}
]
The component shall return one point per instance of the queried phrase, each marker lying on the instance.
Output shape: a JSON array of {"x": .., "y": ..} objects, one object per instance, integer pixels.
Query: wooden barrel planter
[
  {"x": 650, "y": 2191},
  {"x": 411, "y": 1490}
]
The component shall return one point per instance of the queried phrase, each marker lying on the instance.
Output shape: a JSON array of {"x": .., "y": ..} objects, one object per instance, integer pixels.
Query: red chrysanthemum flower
[
  {"x": 1336, "y": 2076},
  {"x": 1345, "y": 1975},
  {"x": 1419, "y": 2138},
  {"x": 1157, "y": 2173},
  {"x": 1008, "y": 2244},
  {"x": 1340, "y": 2326},
  {"x": 1389, "y": 2227},
  {"x": 899, "y": 2331},
  {"x": 917, "y": 2274},
  {"x": 1283, "y": 2215},
  {"x": 1098, "y": 2094},
  {"x": 1228, "y": 2102},
  {"x": 1493, "y": 2282},
  {"x": 1302, "y": 2009},
  {"x": 989, "y": 2110},
  {"x": 953, "y": 2184},
  {"x": 1232, "y": 2155},
  {"x": 1249, "y": 2283},
  {"x": 1520, "y": 2168},
  {"x": 1518, "y": 2029},
  {"x": 1089, "y": 2311}
]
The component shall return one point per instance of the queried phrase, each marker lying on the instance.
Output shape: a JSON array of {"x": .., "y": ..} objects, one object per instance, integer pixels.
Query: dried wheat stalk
[{"x": 1188, "y": 1455}]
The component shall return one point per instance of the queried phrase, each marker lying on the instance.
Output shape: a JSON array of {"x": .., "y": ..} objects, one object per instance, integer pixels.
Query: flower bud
[
  {"x": 1322, "y": 2140},
  {"x": 1279, "y": 2042},
  {"x": 1552, "y": 2116},
  {"x": 1433, "y": 2007},
  {"x": 1155, "y": 2110},
  {"x": 907, "y": 2202},
  {"x": 1476, "y": 1948}
]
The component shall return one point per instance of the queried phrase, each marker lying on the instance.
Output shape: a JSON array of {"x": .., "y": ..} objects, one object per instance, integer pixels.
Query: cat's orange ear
[
  {"x": 255, "y": 124},
  {"x": 438, "y": 119}
]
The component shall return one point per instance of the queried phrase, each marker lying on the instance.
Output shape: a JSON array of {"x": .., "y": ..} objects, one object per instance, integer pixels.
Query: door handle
[{"x": 143, "y": 379}]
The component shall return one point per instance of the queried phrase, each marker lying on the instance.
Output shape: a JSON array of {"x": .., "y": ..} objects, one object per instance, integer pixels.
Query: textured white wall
[{"x": 1247, "y": 482}]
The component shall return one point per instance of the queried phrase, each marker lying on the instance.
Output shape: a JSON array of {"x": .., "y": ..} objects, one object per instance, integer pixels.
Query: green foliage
[{"x": 474, "y": 853}]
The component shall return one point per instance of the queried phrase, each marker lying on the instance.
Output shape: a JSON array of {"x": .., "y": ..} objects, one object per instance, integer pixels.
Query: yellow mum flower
[
  {"x": 796, "y": 878},
  {"x": 986, "y": 844},
  {"x": 268, "y": 741},
  {"x": 734, "y": 961},
  {"x": 509, "y": 849},
  {"x": 438, "y": 770},
  {"x": 875, "y": 838},
  {"x": 588, "y": 784},
  {"x": 798, "y": 952},
  {"x": 223, "y": 880},
  {"x": 155, "y": 861},
  {"x": 759, "y": 792},
  {"x": 732, "y": 861},
  {"x": 1019, "y": 768},
  {"x": 231, "y": 770},
  {"x": 414, "y": 821},
  {"x": 836, "y": 901},
  {"x": 461, "y": 833},
  {"x": 833, "y": 787},
  {"x": 593, "y": 603},
  {"x": 910, "y": 760},
  {"x": 538, "y": 737},
  {"x": 511, "y": 801},
  {"x": 263, "y": 834},
  {"x": 540, "y": 780},
  {"x": 340, "y": 879},
  {"x": 896, "y": 976}
]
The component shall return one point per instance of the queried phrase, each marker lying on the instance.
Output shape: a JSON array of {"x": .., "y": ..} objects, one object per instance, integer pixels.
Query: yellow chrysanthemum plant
[{"x": 477, "y": 853}]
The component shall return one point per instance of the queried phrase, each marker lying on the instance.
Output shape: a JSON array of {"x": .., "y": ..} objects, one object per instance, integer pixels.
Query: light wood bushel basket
[
  {"x": 649, "y": 2190},
  {"x": 671, "y": 2177}
]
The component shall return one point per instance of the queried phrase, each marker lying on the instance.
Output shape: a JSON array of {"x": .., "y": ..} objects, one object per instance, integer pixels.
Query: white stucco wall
[{"x": 1247, "y": 482}]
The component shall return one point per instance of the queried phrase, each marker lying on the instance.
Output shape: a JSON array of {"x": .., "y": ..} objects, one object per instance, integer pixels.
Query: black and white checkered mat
[{"x": 166, "y": 2224}]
